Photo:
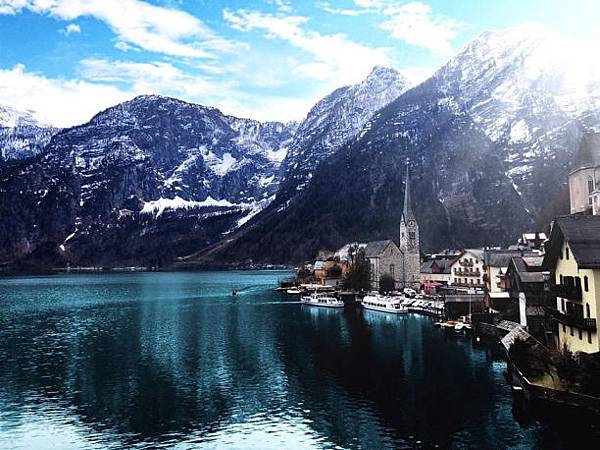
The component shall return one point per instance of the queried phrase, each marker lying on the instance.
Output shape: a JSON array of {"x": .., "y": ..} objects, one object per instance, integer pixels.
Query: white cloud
[
  {"x": 71, "y": 28},
  {"x": 151, "y": 27},
  {"x": 342, "y": 11},
  {"x": 334, "y": 56},
  {"x": 414, "y": 23},
  {"x": 166, "y": 79},
  {"x": 56, "y": 101}
]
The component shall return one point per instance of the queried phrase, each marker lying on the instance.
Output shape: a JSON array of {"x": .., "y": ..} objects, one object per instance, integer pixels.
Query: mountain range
[{"x": 158, "y": 181}]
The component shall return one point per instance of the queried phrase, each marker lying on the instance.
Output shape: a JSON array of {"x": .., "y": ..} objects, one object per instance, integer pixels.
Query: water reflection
[{"x": 147, "y": 360}]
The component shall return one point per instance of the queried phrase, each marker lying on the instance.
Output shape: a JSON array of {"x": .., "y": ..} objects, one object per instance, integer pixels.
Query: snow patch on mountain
[{"x": 157, "y": 207}]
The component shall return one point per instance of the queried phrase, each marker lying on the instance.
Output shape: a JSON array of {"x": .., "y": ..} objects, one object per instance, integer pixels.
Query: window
[
  {"x": 561, "y": 279},
  {"x": 564, "y": 328},
  {"x": 478, "y": 281},
  {"x": 412, "y": 235},
  {"x": 561, "y": 255},
  {"x": 580, "y": 334},
  {"x": 572, "y": 333},
  {"x": 567, "y": 252},
  {"x": 587, "y": 310},
  {"x": 578, "y": 282},
  {"x": 589, "y": 337},
  {"x": 586, "y": 284},
  {"x": 392, "y": 270},
  {"x": 590, "y": 185},
  {"x": 562, "y": 304}
]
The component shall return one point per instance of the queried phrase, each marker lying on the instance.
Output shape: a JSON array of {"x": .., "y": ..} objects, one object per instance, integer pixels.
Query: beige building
[
  {"x": 573, "y": 258},
  {"x": 584, "y": 178},
  {"x": 467, "y": 271}
]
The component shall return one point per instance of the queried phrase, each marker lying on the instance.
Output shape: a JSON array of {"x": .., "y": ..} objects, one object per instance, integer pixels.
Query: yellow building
[{"x": 573, "y": 258}]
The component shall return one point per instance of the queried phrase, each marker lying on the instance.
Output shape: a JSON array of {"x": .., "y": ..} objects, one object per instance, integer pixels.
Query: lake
[{"x": 173, "y": 360}]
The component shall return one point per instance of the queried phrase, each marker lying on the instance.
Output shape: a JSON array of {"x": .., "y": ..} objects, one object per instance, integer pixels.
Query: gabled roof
[
  {"x": 582, "y": 233},
  {"x": 528, "y": 269},
  {"x": 444, "y": 264},
  {"x": 499, "y": 258},
  {"x": 476, "y": 252},
  {"x": 376, "y": 248}
]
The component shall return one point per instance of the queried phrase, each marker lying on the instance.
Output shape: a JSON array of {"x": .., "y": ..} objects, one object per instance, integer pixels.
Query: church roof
[
  {"x": 376, "y": 248},
  {"x": 588, "y": 154}
]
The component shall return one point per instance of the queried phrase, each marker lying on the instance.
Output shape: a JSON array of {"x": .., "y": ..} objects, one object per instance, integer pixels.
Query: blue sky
[{"x": 268, "y": 59}]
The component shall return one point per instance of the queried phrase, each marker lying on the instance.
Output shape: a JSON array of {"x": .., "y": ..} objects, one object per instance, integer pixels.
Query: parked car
[{"x": 411, "y": 293}]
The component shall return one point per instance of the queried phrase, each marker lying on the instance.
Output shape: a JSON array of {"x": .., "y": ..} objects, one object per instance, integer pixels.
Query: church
[{"x": 403, "y": 261}]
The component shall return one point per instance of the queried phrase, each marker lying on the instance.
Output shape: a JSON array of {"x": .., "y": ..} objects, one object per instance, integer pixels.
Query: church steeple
[
  {"x": 409, "y": 239},
  {"x": 407, "y": 213}
]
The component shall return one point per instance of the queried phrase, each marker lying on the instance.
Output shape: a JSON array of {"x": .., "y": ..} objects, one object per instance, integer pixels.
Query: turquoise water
[{"x": 173, "y": 360}]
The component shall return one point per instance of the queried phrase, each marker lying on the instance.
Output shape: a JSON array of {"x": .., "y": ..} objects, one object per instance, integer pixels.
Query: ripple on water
[{"x": 169, "y": 360}]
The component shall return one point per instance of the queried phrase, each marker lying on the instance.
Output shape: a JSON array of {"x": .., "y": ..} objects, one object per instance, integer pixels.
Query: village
[{"x": 538, "y": 299}]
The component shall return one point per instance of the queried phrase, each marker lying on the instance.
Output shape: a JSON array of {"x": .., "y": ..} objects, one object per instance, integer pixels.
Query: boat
[
  {"x": 293, "y": 291},
  {"x": 322, "y": 299},
  {"x": 376, "y": 302}
]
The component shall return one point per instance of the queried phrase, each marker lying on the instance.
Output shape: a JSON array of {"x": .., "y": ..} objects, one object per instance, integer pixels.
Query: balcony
[
  {"x": 567, "y": 291},
  {"x": 572, "y": 320},
  {"x": 467, "y": 273},
  {"x": 469, "y": 285}
]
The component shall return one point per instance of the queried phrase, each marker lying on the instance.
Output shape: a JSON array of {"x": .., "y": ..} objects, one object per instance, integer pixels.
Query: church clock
[{"x": 411, "y": 224}]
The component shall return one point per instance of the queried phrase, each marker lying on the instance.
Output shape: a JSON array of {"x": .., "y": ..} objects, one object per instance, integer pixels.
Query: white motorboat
[
  {"x": 381, "y": 303},
  {"x": 293, "y": 291},
  {"x": 322, "y": 299}
]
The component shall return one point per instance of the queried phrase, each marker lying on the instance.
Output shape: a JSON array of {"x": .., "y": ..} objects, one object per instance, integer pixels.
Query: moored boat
[
  {"x": 322, "y": 299},
  {"x": 376, "y": 302}
]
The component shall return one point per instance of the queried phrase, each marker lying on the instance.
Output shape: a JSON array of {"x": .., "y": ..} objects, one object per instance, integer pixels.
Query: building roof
[
  {"x": 444, "y": 264},
  {"x": 499, "y": 258},
  {"x": 375, "y": 249},
  {"x": 528, "y": 269},
  {"x": 532, "y": 236},
  {"x": 476, "y": 252},
  {"x": 582, "y": 233},
  {"x": 588, "y": 154}
]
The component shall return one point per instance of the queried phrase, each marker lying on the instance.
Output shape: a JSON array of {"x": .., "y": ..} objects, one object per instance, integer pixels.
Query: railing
[
  {"x": 572, "y": 320},
  {"x": 568, "y": 291},
  {"x": 474, "y": 285},
  {"x": 467, "y": 273}
]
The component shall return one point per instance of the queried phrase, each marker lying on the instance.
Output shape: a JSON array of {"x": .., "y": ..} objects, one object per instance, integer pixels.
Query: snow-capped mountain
[
  {"x": 334, "y": 120},
  {"x": 150, "y": 165},
  {"x": 532, "y": 91},
  {"x": 21, "y": 135},
  {"x": 490, "y": 137}
]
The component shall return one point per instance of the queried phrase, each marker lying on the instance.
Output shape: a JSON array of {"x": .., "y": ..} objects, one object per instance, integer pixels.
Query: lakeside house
[
  {"x": 573, "y": 260},
  {"x": 436, "y": 271},
  {"x": 467, "y": 271},
  {"x": 525, "y": 282}
]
